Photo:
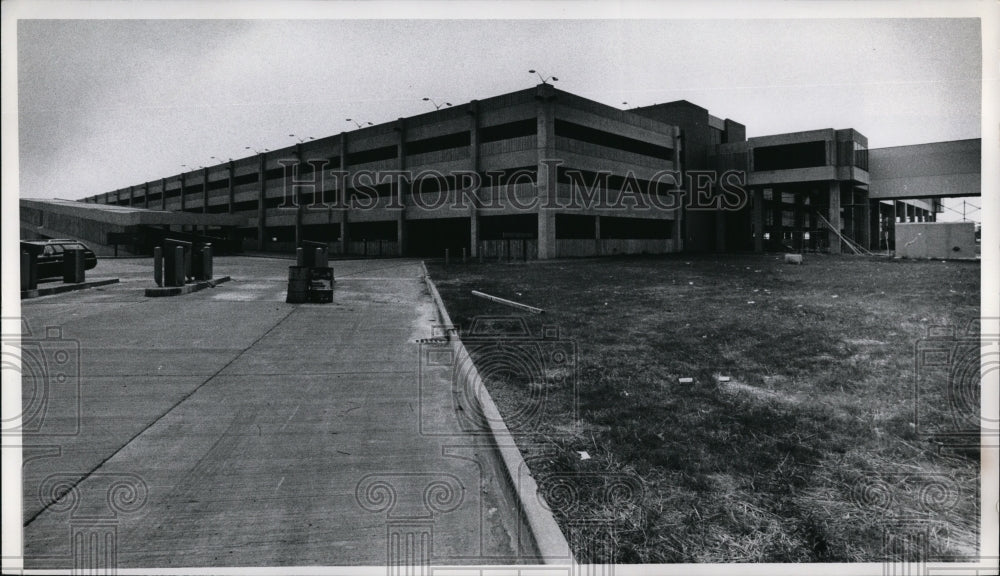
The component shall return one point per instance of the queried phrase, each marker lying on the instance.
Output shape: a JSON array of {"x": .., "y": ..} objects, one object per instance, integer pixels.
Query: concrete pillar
[
  {"x": 230, "y": 186},
  {"x": 297, "y": 196},
  {"x": 545, "y": 181},
  {"x": 720, "y": 230},
  {"x": 679, "y": 215},
  {"x": 145, "y": 195},
  {"x": 873, "y": 217},
  {"x": 131, "y": 195},
  {"x": 833, "y": 209},
  {"x": 401, "y": 241},
  {"x": 815, "y": 200},
  {"x": 261, "y": 210},
  {"x": 474, "y": 166},
  {"x": 799, "y": 217},
  {"x": 345, "y": 197},
  {"x": 757, "y": 214},
  {"x": 864, "y": 220},
  {"x": 777, "y": 208},
  {"x": 848, "y": 218},
  {"x": 597, "y": 235},
  {"x": 163, "y": 193},
  {"x": 183, "y": 183},
  {"x": 204, "y": 190}
]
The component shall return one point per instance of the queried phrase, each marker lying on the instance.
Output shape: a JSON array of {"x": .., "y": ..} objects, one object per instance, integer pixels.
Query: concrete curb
[
  {"x": 186, "y": 289},
  {"x": 548, "y": 539},
  {"x": 60, "y": 288}
]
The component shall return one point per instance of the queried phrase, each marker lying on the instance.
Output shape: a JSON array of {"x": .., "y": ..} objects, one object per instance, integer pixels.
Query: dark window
[
  {"x": 609, "y": 140},
  {"x": 615, "y": 182},
  {"x": 509, "y": 130},
  {"x": 519, "y": 175},
  {"x": 246, "y": 179},
  {"x": 438, "y": 143},
  {"x": 860, "y": 156},
  {"x": 790, "y": 156},
  {"x": 574, "y": 226},
  {"x": 635, "y": 228},
  {"x": 246, "y": 206},
  {"x": 373, "y": 155}
]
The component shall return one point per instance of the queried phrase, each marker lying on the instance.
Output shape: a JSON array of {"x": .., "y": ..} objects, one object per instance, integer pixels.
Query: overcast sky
[{"x": 104, "y": 104}]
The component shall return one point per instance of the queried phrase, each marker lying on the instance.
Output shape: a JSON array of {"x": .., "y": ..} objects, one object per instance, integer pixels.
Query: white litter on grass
[
  {"x": 750, "y": 302},
  {"x": 686, "y": 380},
  {"x": 583, "y": 455},
  {"x": 691, "y": 283},
  {"x": 834, "y": 296},
  {"x": 722, "y": 378}
]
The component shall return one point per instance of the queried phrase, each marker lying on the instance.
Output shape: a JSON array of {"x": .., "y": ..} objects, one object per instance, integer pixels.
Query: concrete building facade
[
  {"x": 543, "y": 173},
  {"x": 495, "y": 176}
]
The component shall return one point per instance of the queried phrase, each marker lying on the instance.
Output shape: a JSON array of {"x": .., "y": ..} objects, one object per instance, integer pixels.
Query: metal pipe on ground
[{"x": 505, "y": 302}]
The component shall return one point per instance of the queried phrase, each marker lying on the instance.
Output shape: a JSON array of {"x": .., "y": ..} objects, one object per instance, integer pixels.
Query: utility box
[
  {"x": 74, "y": 266},
  {"x": 936, "y": 240}
]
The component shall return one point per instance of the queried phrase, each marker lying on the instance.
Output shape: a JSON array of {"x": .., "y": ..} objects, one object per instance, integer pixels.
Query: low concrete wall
[
  {"x": 574, "y": 248},
  {"x": 941, "y": 240}
]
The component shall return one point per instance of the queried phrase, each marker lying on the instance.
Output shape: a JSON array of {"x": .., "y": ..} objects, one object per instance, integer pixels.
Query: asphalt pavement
[{"x": 228, "y": 428}]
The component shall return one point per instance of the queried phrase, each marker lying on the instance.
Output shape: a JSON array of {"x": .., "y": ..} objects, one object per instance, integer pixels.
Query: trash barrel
[{"x": 298, "y": 285}]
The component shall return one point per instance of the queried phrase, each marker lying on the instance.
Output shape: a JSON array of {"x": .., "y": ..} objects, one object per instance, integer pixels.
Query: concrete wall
[
  {"x": 943, "y": 240},
  {"x": 942, "y": 169}
]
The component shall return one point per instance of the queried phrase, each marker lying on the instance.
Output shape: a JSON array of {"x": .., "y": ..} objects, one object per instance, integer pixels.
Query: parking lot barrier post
[
  {"x": 158, "y": 265},
  {"x": 180, "y": 266},
  {"x": 206, "y": 259},
  {"x": 29, "y": 271}
]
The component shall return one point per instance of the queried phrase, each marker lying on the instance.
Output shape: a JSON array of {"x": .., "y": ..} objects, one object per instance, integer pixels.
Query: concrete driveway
[{"x": 228, "y": 428}]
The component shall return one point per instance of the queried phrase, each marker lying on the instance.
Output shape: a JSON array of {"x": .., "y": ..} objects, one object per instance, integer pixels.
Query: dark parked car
[{"x": 50, "y": 255}]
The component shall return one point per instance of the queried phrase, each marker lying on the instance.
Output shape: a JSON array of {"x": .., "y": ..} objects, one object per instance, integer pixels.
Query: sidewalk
[{"x": 227, "y": 428}]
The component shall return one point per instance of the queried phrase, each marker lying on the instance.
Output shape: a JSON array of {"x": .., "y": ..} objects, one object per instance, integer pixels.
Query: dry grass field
[{"x": 810, "y": 452}]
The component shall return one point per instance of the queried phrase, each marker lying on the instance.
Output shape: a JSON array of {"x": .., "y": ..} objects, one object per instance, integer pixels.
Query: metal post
[{"x": 158, "y": 265}]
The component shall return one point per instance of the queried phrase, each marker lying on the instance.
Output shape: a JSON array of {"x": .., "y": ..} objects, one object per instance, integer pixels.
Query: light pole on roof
[
  {"x": 544, "y": 79},
  {"x": 358, "y": 124},
  {"x": 435, "y": 104}
]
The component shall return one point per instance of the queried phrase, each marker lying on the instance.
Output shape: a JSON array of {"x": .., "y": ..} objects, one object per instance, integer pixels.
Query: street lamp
[
  {"x": 220, "y": 160},
  {"x": 358, "y": 124},
  {"x": 300, "y": 139},
  {"x": 435, "y": 104},
  {"x": 256, "y": 151},
  {"x": 544, "y": 79}
]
